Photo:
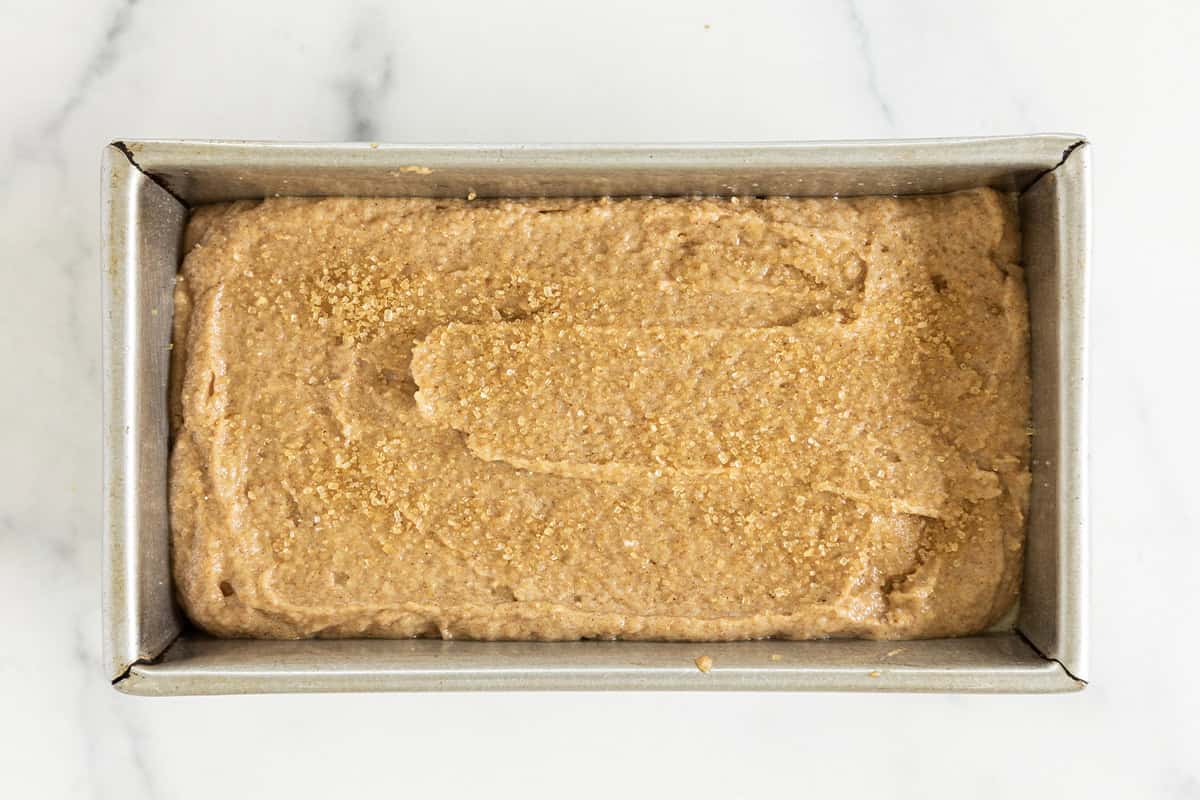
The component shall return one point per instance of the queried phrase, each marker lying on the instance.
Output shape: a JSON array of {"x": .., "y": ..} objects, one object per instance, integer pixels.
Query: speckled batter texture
[{"x": 701, "y": 419}]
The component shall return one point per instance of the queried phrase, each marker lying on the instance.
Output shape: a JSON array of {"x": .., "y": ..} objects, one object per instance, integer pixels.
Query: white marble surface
[{"x": 79, "y": 74}]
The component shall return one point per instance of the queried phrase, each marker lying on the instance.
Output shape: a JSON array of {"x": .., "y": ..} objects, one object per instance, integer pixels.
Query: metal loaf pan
[{"x": 149, "y": 186}]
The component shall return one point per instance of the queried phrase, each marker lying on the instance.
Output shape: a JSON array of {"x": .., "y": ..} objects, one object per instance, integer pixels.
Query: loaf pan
[{"x": 148, "y": 186}]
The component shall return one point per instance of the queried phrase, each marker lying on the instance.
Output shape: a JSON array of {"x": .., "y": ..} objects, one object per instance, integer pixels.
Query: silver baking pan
[{"x": 150, "y": 649}]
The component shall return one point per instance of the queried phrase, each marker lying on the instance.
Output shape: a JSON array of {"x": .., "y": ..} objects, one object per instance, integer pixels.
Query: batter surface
[{"x": 553, "y": 419}]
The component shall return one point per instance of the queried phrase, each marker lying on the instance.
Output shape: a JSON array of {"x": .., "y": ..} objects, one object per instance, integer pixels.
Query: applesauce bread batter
[{"x": 682, "y": 418}]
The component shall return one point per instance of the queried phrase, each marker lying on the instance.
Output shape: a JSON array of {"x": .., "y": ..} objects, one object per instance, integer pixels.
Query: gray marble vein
[
  {"x": 41, "y": 140},
  {"x": 862, "y": 37},
  {"x": 93, "y": 766},
  {"x": 366, "y": 88},
  {"x": 110, "y": 731},
  {"x": 142, "y": 766},
  {"x": 99, "y": 64}
]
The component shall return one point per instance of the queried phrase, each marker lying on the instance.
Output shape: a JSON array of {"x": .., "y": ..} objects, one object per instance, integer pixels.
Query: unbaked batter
[{"x": 695, "y": 419}]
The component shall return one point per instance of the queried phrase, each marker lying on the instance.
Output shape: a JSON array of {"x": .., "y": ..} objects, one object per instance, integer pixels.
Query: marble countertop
[{"x": 80, "y": 74}]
